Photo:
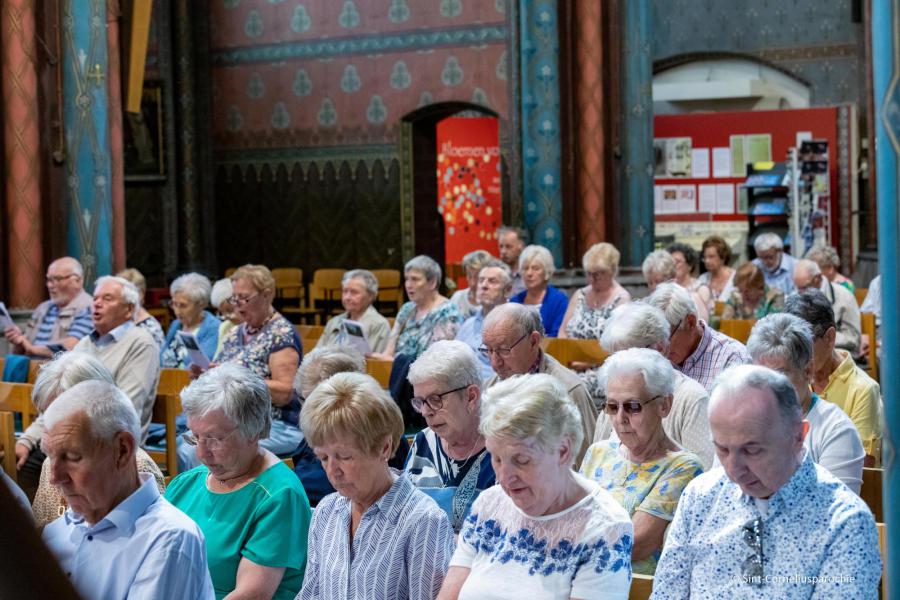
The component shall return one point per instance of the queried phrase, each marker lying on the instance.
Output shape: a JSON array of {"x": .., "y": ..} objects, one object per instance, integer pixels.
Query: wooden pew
[
  {"x": 641, "y": 587},
  {"x": 738, "y": 329},
  {"x": 33, "y": 367},
  {"x": 8, "y": 441},
  {"x": 568, "y": 351},
  {"x": 871, "y": 491},
  {"x": 165, "y": 409},
  {"x": 16, "y": 398},
  {"x": 380, "y": 370},
  {"x": 860, "y": 294},
  {"x": 172, "y": 381}
]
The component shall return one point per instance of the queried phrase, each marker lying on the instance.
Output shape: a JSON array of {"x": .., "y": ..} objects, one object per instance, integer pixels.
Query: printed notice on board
[
  {"x": 687, "y": 199},
  {"x": 721, "y": 162},
  {"x": 738, "y": 156},
  {"x": 707, "y": 198},
  {"x": 700, "y": 163},
  {"x": 725, "y": 198}
]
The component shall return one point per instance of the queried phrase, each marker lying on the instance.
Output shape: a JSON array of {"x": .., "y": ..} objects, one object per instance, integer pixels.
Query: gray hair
[
  {"x": 654, "y": 368},
  {"x": 325, "y": 361},
  {"x": 742, "y": 377},
  {"x": 63, "y": 372},
  {"x": 193, "y": 285},
  {"x": 824, "y": 255},
  {"x": 526, "y": 318},
  {"x": 531, "y": 406},
  {"x": 130, "y": 294},
  {"x": 659, "y": 262},
  {"x": 784, "y": 336},
  {"x": 367, "y": 277},
  {"x": 496, "y": 263},
  {"x": 520, "y": 233},
  {"x": 807, "y": 267},
  {"x": 767, "y": 241},
  {"x": 635, "y": 325},
  {"x": 222, "y": 290},
  {"x": 476, "y": 259},
  {"x": 539, "y": 254},
  {"x": 107, "y": 408},
  {"x": 813, "y": 307},
  {"x": 427, "y": 265},
  {"x": 73, "y": 263},
  {"x": 674, "y": 301},
  {"x": 239, "y": 393},
  {"x": 449, "y": 363}
]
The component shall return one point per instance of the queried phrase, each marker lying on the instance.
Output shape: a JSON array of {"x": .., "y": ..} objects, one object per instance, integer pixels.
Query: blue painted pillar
[
  {"x": 885, "y": 54},
  {"x": 86, "y": 121},
  {"x": 541, "y": 155},
  {"x": 635, "y": 176}
]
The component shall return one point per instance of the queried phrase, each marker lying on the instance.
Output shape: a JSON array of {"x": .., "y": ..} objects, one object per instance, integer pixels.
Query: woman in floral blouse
[
  {"x": 591, "y": 306},
  {"x": 752, "y": 298}
]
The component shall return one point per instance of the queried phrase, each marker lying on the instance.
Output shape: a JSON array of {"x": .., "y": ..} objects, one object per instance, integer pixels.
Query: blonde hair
[
  {"x": 135, "y": 277},
  {"x": 355, "y": 406},
  {"x": 259, "y": 276},
  {"x": 601, "y": 256}
]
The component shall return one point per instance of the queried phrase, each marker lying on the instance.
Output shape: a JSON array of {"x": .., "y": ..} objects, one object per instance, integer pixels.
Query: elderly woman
[
  {"x": 536, "y": 267},
  {"x": 465, "y": 299},
  {"x": 829, "y": 262},
  {"x": 427, "y": 317},
  {"x": 448, "y": 460},
  {"x": 687, "y": 264},
  {"x": 54, "y": 378},
  {"x": 644, "y": 470},
  {"x": 142, "y": 318},
  {"x": 378, "y": 537},
  {"x": 250, "y": 506},
  {"x": 359, "y": 288},
  {"x": 591, "y": 306},
  {"x": 719, "y": 277},
  {"x": 545, "y": 531},
  {"x": 190, "y": 297},
  {"x": 752, "y": 298},
  {"x": 660, "y": 267},
  {"x": 220, "y": 298}
]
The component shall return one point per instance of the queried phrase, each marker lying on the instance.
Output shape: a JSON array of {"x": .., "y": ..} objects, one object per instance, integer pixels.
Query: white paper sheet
[
  {"x": 721, "y": 162},
  {"x": 687, "y": 199},
  {"x": 707, "y": 198},
  {"x": 194, "y": 351},
  {"x": 6, "y": 319},
  {"x": 669, "y": 199},
  {"x": 700, "y": 163},
  {"x": 725, "y": 198}
]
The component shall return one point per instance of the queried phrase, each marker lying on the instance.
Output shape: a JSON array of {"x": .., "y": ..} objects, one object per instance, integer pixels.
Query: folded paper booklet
[
  {"x": 6, "y": 319},
  {"x": 355, "y": 336},
  {"x": 194, "y": 351}
]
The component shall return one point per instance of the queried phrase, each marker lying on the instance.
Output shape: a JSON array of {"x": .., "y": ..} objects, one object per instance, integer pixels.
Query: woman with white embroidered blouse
[{"x": 545, "y": 532}]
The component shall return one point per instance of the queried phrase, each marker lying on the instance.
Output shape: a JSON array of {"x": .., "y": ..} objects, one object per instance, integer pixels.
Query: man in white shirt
[{"x": 847, "y": 319}]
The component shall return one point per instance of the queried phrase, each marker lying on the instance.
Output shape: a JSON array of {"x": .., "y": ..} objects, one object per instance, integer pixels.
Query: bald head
[
  {"x": 807, "y": 275},
  {"x": 65, "y": 280}
]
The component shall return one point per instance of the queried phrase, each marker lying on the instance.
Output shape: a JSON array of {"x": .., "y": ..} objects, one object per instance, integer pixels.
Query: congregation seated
[
  {"x": 190, "y": 297},
  {"x": 536, "y": 267},
  {"x": 777, "y": 266},
  {"x": 378, "y": 537},
  {"x": 494, "y": 288},
  {"x": 466, "y": 299},
  {"x": 719, "y": 277},
  {"x": 695, "y": 348},
  {"x": 54, "y": 378},
  {"x": 448, "y": 460},
  {"x": 220, "y": 298},
  {"x": 118, "y": 538},
  {"x": 590, "y": 307},
  {"x": 847, "y": 318},
  {"x": 639, "y": 325},
  {"x": 427, "y": 317},
  {"x": 545, "y": 531},
  {"x": 772, "y": 523},
  {"x": 644, "y": 470},
  {"x": 142, "y": 318},
  {"x": 659, "y": 268},
  {"x": 56, "y": 324},
  {"x": 359, "y": 288},
  {"x": 248, "y": 503},
  {"x": 512, "y": 340},
  {"x": 510, "y": 242},
  {"x": 687, "y": 265},
  {"x": 836, "y": 377},
  {"x": 829, "y": 262},
  {"x": 784, "y": 343},
  {"x": 751, "y": 297}
]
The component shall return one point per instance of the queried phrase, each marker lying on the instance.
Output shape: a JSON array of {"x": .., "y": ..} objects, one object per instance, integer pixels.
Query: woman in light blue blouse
[{"x": 190, "y": 297}]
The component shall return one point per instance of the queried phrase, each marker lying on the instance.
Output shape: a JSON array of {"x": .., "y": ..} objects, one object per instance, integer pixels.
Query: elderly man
[
  {"x": 784, "y": 343},
  {"x": 835, "y": 376},
  {"x": 695, "y": 348},
  {"x": 848, "y": 322},
  {"x": 638, "y": 325},
  {"x": 56, "y": 324},
  {"x": 772, "y": 524},
  {"x": 512, "y": 340},
  {"x": 118, "y": 538},
  {"x": 129, "y": 352},
  {"x": 512, "y": 240},
  {"x": 494, "y": 289},
  {"x": 777, "y": 267}
]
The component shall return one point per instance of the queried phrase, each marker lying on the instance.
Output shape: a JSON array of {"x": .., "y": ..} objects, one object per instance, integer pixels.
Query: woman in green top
[
  {"x": 251, "y": 507},
  {"x": 752, "y": 298}
]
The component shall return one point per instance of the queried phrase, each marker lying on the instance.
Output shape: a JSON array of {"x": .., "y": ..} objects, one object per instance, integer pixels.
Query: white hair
[
  {"x": 674, "y": 301},
  {"x": 808, "y": 267},
  {"x": 659, "y": 262},
  {"x": 106, "y": 407},
  {"x": 782, "y": 335},
  {"x": 635, "y": 325},
  {"x": 222, "y": 290},
  {"x": 425, "y": 265},
  {"x": 824, "y": 255},
  {"x": 64, "y": 371},
  {"x": 239, "y": 393},
  {"x": 654, "y": 368},
  {"x": 130, "y": 294},
  {"x": 767, "y": 241},
  {"x": 193, "y": 285},
  {"x": 367, "y": 277},
  {"x": 449, "y": 363},
  {"x": 540, "y": 255}
]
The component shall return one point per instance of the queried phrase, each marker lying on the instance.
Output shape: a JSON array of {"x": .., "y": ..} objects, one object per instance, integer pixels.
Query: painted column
[
  {"x": 636, "y": 169},
  {"x": 116, "y": 141},
  {"x": 886, "y": 70},
  {"x": 86, "y": 120},
  {"x": 21, "y": 143},
  {"x": 541, "y": 159}
]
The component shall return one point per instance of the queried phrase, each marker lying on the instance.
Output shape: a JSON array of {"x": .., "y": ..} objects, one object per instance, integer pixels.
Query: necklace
[{"x": 469, "y": 454}]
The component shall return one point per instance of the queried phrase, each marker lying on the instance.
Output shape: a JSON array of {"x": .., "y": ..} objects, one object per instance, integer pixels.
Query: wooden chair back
[
  {"x": 172, "y": 381},
  {"x": 568, "y": 351},
  {"x": 867, "y": 322},
  {"x": 33, "y": 367},
  {"x": 719, "y": 308},
  {"x": 871, "y": 491},
  {"x": 166, "y": 408},
  {"x": 641, "y": 587},
  {"x": 16, "y": 398},
  {"x": 8, "y": 441},
  {"x": 860, "y": 294},
  {"x": 289, "y": 462},
  {"x": 230, "y": 272},
  {"x": 380, "y": 370},
  {"x": 738, "y": 329},
  {"x": 390, "y": 289},
  {"x": 289, "y": 286},
  {"x": 161, "y": 314}
]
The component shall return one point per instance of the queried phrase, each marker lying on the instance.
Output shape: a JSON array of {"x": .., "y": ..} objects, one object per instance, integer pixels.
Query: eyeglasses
[
  {"x": 752, "y": 568},
  {"x": 211, "y": 443},
  {"x": 58, "y": 278},
  {"x": 500, "y": 351},
  {"x": 242, "y": 300},
  {"x": 631, "y": 407},
  {"x": 434, "y": 401}
]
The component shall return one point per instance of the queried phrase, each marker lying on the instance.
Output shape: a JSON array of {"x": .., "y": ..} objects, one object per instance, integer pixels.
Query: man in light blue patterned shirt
[
  {"x": 777, "y": 267},
  {"x": 770, "y": 523}
]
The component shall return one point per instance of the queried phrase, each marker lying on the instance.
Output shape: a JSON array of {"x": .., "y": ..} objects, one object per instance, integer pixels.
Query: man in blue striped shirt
[{"x": 57, "y": 324}]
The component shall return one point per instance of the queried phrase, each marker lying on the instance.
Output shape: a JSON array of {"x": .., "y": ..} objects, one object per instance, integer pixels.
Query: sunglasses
[
  {"x": 752, "y": 568},
  {"x": 631, "y": 407}
]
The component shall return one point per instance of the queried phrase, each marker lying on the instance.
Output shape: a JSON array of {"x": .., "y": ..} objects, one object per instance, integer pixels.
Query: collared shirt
[
  {"x": 783, "y": 276},
  {"x": 814, "y": 527},
  {"x": 859, "y": 396},
  {"x": 112, "y": 336},
  {"x": 470, "y": 334},
  {"x": 401, "y": 548},
  {"x": 715, "y": 353},
  {"x": 144, "y": 548},
  {"x": 80, "y": 326},
  {"x": 847, "y": 317},
  {"x": 833, "y": 442}
]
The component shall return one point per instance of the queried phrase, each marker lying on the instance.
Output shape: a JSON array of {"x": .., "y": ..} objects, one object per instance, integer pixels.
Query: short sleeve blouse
[{"x": 414, "y": 336}]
